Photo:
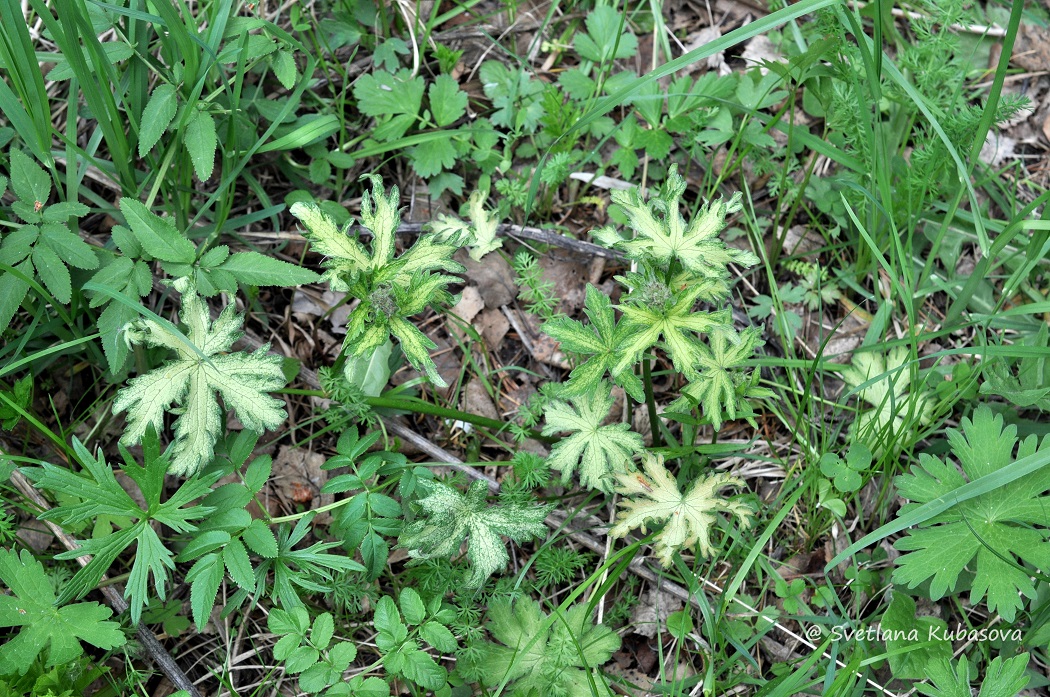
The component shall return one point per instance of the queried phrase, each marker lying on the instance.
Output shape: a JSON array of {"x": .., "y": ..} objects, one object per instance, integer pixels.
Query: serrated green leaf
[
  {"x": 390, "y": 289},
  {"x": 538, "y": 654},
  {"x": 64, "y": 210},
  {"x": 432, "y": 157},
  {"x": 254, "y": 269},
  {"x": 1002, "y": 678},
  {"x": 260, "y": 539},
  {"x": 29, "y": 181},
  {"x": 449, "y": 517},
  {"x": 59, "y": 630},
  {"x": 995, "y": 534},
  {"x": 235, "y": 557},
  {"x": 301, "y": 659},
  {"x": 412, "y": 608},
  {"x": 241, "y": 378},
  {"x": 201, "y": 143},
  {"x": 95, "y": 491},
  {"x": 53, "y": 273},
  {"x": 598, "y": 451},
  {"x": 438, "y": 636},
  {"x": 604, "y": 40},
  {"x": 448, "y": 102},
  {"x": 322, "y": 631},
  {"x": 68, "y": 246},
  {"x": 284, "y": 69},
  {"x": 204, "y": 577},
  {"x": 13, "y": 289},
  {"x": 382, "y": 93},
  {"x": 157, "y": 235},
  {"x": 421, "y": 669},
  {"x": 110, "y": 323},
  {"x": 908, "y": 657},
  {"x": 157, "y": 116},
  {"x": 688, "y": 518}
]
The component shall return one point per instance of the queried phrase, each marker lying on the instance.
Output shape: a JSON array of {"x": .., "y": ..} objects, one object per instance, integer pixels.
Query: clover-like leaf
[
  {"x": 542, "y": 655},
  {"x": 191, "y": 380},
  {"x": 598, "y": 450},
  {"x": 31, "y": 606},
  {"x": 688, "y": 518},
  {"x": 449, "y": 517},
  {"x": 992, "y": 534}
]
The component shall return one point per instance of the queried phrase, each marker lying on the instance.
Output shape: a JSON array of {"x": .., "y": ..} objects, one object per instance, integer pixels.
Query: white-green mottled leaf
[{"x": 192, "y": 381}]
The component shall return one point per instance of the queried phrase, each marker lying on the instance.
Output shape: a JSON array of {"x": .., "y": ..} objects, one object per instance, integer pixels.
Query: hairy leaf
[{"x": 449, "y": 517}]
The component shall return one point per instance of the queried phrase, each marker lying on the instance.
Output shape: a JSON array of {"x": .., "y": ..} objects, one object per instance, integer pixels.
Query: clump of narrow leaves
[
  {"x": 994, "y": 534},
  {"x": 201, "y": 368},
  {"x": 391, "y": 289},
  {"x": 549, "y": 655},
  {"x": 688, "y": 518},
  {"x": 449, "y": 517}
]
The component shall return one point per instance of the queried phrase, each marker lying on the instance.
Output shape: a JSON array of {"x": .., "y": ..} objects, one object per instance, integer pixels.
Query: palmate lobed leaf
[
  {"x": 539, "y": 654},
  {"x": 663, "y": 235},
  {"x": 191, "y": 380},
  {"x": 992, "y": 534},
  {"x": 688, "y": 518},
  {"x": 717, "y": 380},
  {"x": 45, "y": 626},
  {"x": 450, "y": 517},
  {"x": 600, "y": 342},
  {"x": 598, "y": 451},
  {"x": 95, "y": 491}
]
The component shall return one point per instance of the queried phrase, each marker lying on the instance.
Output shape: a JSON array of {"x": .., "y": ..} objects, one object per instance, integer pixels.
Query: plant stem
[
  {"x": 418, "y": 406},
  {"x": 650, "y": 402}
]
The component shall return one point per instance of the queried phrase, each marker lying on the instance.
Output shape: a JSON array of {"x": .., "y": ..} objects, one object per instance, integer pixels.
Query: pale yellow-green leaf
[
  {"x": 200, "y": 369},
  {"x": 688, "y": 519}
]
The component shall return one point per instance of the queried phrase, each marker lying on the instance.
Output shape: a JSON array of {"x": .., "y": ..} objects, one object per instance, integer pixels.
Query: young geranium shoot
[
  {"x": 390, "y": 289},
  {"x": 688, "y": 518},
  {"x": 201, "y": 367}
]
